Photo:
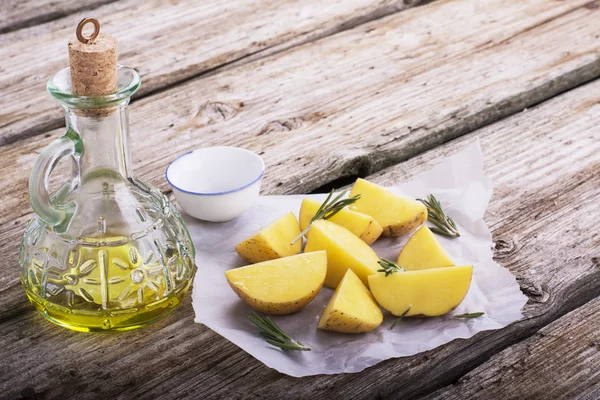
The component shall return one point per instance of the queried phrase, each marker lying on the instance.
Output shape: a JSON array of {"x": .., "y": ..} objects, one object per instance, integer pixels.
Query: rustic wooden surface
[
  {"x": 326, "y": 96},
  {"x": 17, "y": 14},
  {"x": 402, "y": 106},
  {"x": 561, "y": 358},
  {"x": 167, "y": 42}
]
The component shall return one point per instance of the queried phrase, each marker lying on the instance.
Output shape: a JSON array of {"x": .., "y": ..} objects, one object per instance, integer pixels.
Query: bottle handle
[{"x": 43, "y": 204}]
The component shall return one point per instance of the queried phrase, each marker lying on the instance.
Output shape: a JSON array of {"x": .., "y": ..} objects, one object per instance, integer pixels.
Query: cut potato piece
[
  {"x": 351, "y": 309},
  {"x": 362, "y": 225},
  {"x": 344, "y": 250},
  {"x": 396, "y": 214},
  {"x": 423, "y": 251},
  {"x": 429, "y": 292},
  {"x": 272, "y": 241},
  {"x": 281, "y": 286}
]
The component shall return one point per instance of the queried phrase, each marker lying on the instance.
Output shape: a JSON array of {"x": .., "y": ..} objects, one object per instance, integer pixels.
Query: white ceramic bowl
[{"x": 216, "y": 183}]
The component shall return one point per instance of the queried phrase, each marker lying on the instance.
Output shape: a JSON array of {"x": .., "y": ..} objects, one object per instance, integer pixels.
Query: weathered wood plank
[
  {"x": 317, "y": 121},
  {"x": 559, "y": 362},
  {"x": 17, "y": 14},
  {"x": 166, "y": 42},
  {"x": 544, "y": 163},
  {"x": 377, "y": 94}
]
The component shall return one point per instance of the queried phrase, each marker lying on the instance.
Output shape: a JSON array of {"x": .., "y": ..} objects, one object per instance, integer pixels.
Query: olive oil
[{"x": 107, "y": 288}]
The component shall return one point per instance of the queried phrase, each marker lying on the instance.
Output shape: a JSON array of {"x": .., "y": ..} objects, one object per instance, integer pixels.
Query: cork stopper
[{"x": 93, "y": 62}]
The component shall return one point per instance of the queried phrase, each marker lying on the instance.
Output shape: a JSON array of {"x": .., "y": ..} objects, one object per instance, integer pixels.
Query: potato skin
[
  {"x": 276, "y": 308},
  {"x": 338, "y": 323},
  {"x": 272, "y": 241},
  {"x": 403, "y": 229},
  {"x": 367, "y": 234},
  {"x": 255, "y": 250},
  {"x": 351, "y": 309},
  {"x": 372, "y": 233}
]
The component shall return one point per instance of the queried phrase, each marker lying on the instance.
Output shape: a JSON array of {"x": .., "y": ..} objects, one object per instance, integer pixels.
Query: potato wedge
[
  {"x": 344, "y": 251},
  {"x": 362, "y": 225},
  {"x": 352, "y": 308},
  {"x": 272, "y": 241},
  {"x": 423, "y": 251},
  {"x": 396, "y": 214},
  {"x": 281, "y": 286},
  {"x": 428, "y": 292}
]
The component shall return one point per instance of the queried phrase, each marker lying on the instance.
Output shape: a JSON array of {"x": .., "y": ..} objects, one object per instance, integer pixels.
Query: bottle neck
[{"x": 105, "y": 138}]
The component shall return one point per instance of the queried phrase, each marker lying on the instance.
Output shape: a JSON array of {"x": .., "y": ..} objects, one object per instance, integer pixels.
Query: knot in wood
[
  {"x": 69, "y": 375},
  {"x": 533, "y": 290},
  {"x": 504, "y": 248},
  {"x": 289, "y": 124},
  {"x": 212, "y": 112},
  {"x": 284, "y": 125}
]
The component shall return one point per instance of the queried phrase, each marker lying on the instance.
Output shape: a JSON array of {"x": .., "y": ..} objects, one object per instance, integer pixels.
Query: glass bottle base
[{"x": 108, "y": 321}]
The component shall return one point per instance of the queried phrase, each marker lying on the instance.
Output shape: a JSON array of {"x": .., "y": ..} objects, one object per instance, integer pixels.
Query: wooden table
[{"x": 327, "y": 90}]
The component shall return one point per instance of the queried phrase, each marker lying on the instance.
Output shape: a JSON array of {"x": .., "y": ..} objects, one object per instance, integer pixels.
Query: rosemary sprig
[
  {"x": 400, "y": 317},
  {"x": 274, "y": 335},
  {"x": 469, "y": 315},
  {"x": 389, "y": 267},
  {"x": 444, "y": 225},
  {"x": 328, "y": 209}
]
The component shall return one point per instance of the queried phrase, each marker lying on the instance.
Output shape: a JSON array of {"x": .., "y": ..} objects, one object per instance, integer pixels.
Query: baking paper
[{"x": 464, "y": 190}]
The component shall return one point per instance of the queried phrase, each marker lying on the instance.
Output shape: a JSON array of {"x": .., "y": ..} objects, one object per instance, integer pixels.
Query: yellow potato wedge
[
  {"x": 351, "y": 309},
  {"x": 281, "y": 286},
  {"x": 423, "y": 251},
  {"x": 428, "y": 292},
  {"x": 396, "y": 214},
  {"x": 272, "y": 241},
  {"x": 344, "y": 251},
  {"x": 362, "y": 225}
]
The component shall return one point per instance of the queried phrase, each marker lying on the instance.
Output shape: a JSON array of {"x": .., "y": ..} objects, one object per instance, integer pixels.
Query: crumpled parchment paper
[{"x": 464, "y": 190}]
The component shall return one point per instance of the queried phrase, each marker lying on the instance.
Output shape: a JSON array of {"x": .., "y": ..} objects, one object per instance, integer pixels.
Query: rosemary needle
[
  {"x": 389, "y": 267},
  {"x": 274, "y": 335},
  {"x": 328, "y": 209},
  {"x": 444, "y": 225},
  {"x": 469, "y": 315},
  {"x": 400, "y": 317}
]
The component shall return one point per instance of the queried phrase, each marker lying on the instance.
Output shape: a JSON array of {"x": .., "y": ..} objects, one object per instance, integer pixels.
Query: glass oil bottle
[{"x": 106, "y": 251}]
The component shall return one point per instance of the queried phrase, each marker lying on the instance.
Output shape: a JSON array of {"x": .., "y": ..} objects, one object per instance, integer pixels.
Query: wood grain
[
  {"x": 320, "y": 112},
  {"x": 559, "y": 362},
  {"x": 167, "y": 41},
  {"x": 544, "y": 163},
  {"x": 375, "y": 95},
  {"x": 316, "y": 122},
  {"x": 17, "y": 14}
]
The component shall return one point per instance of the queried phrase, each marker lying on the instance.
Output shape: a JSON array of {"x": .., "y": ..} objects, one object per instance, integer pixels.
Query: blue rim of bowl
[{"x": 215, "y": 193}]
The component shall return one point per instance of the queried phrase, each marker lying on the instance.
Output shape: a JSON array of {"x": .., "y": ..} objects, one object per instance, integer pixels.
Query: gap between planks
[
  {"x": 21, "y": 14},
  {"x": 375, "y": 119},
  {"x": 588, "y": 293},
  {"x": 543, "y": 163},
  {"x": 536, "y": 185},
  {"x": 354, "y": 22},
  {"x": 165, "y": 51},
  {"x": 559, "y": 361},
  {"x": 385, "y": 119}
]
